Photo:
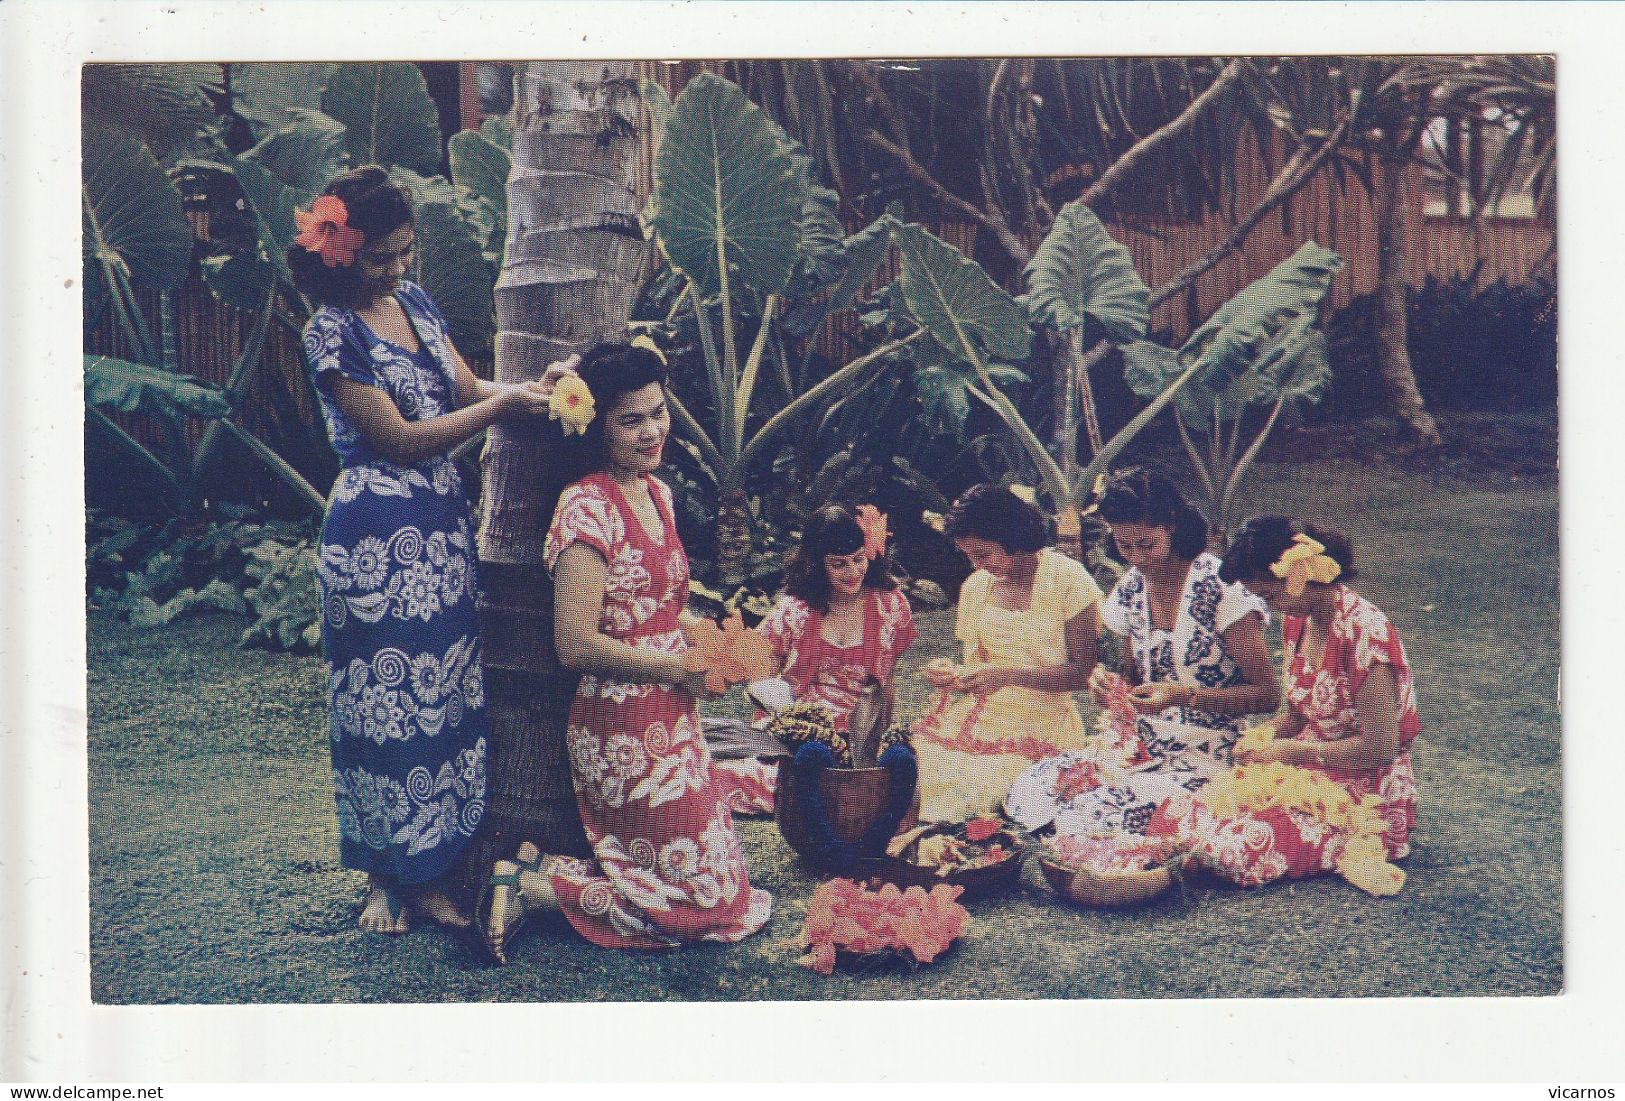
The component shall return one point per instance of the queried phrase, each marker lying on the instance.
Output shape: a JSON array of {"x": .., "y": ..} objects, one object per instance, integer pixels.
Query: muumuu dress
[
  {"x": 667, "y": 866},
  {"x": 396, "y": 575}
]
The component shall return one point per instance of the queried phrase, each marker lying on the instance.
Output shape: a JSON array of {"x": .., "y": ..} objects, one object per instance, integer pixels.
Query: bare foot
[
  {"x": 434, "y": 905},
  {"x": 503, "y": 909},
  {"x": 383, "y": 912}
]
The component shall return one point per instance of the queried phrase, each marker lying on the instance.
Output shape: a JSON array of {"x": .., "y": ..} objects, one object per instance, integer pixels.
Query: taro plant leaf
[
  {"x": 1082, "y": 281},
  {"x": 133, "y": 220},
  {"x": 305, "y": 153},
  {"x": 864, "y": 250},
  {"x": 274, "y": 203},
  {"x": 451, "y": 262},
  {"x": 138, "y": 388},
  {"x": 265, "y": 93},
  {"x": 498, "y": 130},
  {"x": 953, "y": 298},
  {"x": 482, "y": 166},
  {"x": 388, "y": 116},
  {"x": 1231, "y": 340},
  {"x": 165, "y": 105},
  {"x": 239, "y": 279},
  {"x": 728, "y": 195}
]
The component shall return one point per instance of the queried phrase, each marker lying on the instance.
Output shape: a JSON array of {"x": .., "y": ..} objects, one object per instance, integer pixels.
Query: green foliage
[
  {"x": 1082, "y": 282},
  {"x": 133, "y": 221},
  {"x": 152, "y": 575},
  {"x": 137, "y": 388},
  {"x": 727, "y": 193},
  {"x": 266, "y": 94},
  {"x": 387, "y": 114},
  {"x": 165, "y": 107},
  {"x": 955, "y": 301},
  {"x": 481, "y": 165},
  {"x": 453, "y": 266},
  {"x": 305, "y": 153}
]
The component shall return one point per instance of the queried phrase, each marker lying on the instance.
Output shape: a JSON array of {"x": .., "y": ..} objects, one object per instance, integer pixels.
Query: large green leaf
[
  {"x": 953, "y": 298},
  {"x": 388, "y": 116},
  {"x": 266, "y": 94},
  {"x": 274, "y": 203},
  {"x": 726, "y": 189},
  {"x": 165, "y": 106},
  {"x": 451, "y": 261},
  {"x": 240, "y": 279},
  {"x": 482, "y": 166},
  {"x": 305, "y": 153},
  {"x": 137, "y": 388},
  {"x": 1230, "y": 341},
  {"x": 132, "y": 212},
  {"x": 1082, "y": 280}
]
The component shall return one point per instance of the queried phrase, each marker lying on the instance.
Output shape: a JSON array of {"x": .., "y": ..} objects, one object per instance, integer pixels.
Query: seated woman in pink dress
[
  {"x": 666, "y": 866},
  {"x": 837, "y": 632},
  {"x": 1351, "y": 709}
]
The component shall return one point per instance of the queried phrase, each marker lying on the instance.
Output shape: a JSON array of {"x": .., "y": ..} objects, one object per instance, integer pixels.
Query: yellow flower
[
  {"x": 647, "y": 343},
  {"x": 1304, "y": 561},
  {"x": 572, "y": 405}
]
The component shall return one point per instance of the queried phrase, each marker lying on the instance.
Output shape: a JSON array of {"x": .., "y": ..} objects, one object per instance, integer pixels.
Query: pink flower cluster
[
  {"x": 1116, "y": 853},
  {"x": 847, "y": 916}
]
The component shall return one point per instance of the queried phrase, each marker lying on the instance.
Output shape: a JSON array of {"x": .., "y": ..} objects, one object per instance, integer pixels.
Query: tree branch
[
  {"x": 1138, "y": 154},
  {"x": 1012, "y": 244}
]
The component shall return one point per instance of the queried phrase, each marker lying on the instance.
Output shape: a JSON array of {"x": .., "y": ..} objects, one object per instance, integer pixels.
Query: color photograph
[{"x": 721, "y": 530}]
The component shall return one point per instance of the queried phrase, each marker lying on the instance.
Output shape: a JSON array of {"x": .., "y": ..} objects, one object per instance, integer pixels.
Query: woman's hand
[
  {"x": 521, "y": 399},
  {"x": 550, "y": 377},
  {"x": 982, "y": 682},
  {"x": 939, "y": 673},
  {"x": 1149, "y": 699},
  {"x": 1099, "y": 676},
  {"x": 1261, "y": 753}
]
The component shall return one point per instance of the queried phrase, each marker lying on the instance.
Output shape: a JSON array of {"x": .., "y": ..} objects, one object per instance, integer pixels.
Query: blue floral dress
[
  {"x": 1180, "y": 749},
  {"x": 399, "y": 628}
]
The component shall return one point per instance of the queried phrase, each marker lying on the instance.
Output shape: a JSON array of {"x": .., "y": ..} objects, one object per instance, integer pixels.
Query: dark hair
[
  {"x": 1258, "y": 544},
  {"x": 833, "y": 529},
  {"x": 1136, "y": 495},
  {"x": 611, "y": 370},
  {"x": 377, "y": 207},
  {"x": 994, "y": 513}
]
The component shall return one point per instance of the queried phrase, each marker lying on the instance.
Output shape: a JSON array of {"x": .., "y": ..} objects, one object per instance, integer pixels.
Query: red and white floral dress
[
  {"x": 1261, "y": 846},
  {"x": 668, "y": 865},
  {"x": 823, "y": 673}
]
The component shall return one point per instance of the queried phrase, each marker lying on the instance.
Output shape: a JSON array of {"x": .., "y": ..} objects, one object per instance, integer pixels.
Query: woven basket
[
  {"x": 902, "y": 870},
  {"x": 1088, "y": 887},
  {"x": 853, "y": 799}
]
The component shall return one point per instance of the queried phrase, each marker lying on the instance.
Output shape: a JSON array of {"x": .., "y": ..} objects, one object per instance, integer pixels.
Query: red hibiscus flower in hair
[
  {"x": 872, "y": 522},
  {"x": 325, "y": 229}
]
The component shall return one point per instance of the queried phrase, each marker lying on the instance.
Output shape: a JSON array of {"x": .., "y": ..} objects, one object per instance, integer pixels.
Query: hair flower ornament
[
  {"x": 644, "y": 341},
  {"x": 1305, "y": 561},
  {"x": 571, "y": 404},
  {"x": 325, "y": 229},
  {"x": 872, "y": 522},
  {"x": 936, "y": 521}
]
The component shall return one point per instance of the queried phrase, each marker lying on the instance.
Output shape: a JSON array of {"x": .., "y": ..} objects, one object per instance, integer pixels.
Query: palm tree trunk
[
  {"x": 1392, "y": 314},
  {"x": 574, "y": 260}
]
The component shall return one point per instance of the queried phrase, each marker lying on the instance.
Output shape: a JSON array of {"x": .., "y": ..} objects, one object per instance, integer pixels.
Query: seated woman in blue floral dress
[
  {"x": 1193, "y": 650},
  {"x": 397, "y": 568}
]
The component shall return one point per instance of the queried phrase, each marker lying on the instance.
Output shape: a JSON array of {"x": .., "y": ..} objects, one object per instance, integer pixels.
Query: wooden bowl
[
  {"x": 976, "y": 881},
  {"x": 1088, "y": 887},
  {"x": 853, "y": 799}
]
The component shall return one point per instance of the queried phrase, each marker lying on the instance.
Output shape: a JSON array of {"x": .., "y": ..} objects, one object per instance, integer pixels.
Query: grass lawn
[{"x": 214, "y": 870}]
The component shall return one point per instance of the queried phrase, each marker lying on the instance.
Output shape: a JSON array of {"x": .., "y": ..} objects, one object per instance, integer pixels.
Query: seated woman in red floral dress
[
  {"x": 667, "y": 868},
  {"x": 1351, "y": 714}
]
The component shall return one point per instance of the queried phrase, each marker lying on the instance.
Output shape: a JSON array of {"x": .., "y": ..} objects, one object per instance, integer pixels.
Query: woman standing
[
  {"x": 1027, "y": 622},
  {"x": 396, "y": 568},
  {"x": 667, "y": 867},
  {"x": 1351, "y": 712},
  {"x": 1193, "y": 651}
]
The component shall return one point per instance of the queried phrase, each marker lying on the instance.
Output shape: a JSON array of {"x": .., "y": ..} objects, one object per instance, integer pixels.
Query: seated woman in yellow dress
[{"x": 1027, "y": 621}]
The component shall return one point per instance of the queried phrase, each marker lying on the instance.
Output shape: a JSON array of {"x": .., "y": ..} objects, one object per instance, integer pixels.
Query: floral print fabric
[
  {"x": 1261, "y": 846},
  {"x": 396, "y": 575},
  {"x": 667, "y": 866}
]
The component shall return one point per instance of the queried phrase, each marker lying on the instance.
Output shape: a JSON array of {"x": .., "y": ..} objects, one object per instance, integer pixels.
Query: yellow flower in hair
[
  {"x": 1305, "y": 561},
  {"x": 1026, "y": 493},
  {"x": 647, "y": 344},
  {"x": 572, "y": 404},
  {"x": 936, "y": 521}
]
